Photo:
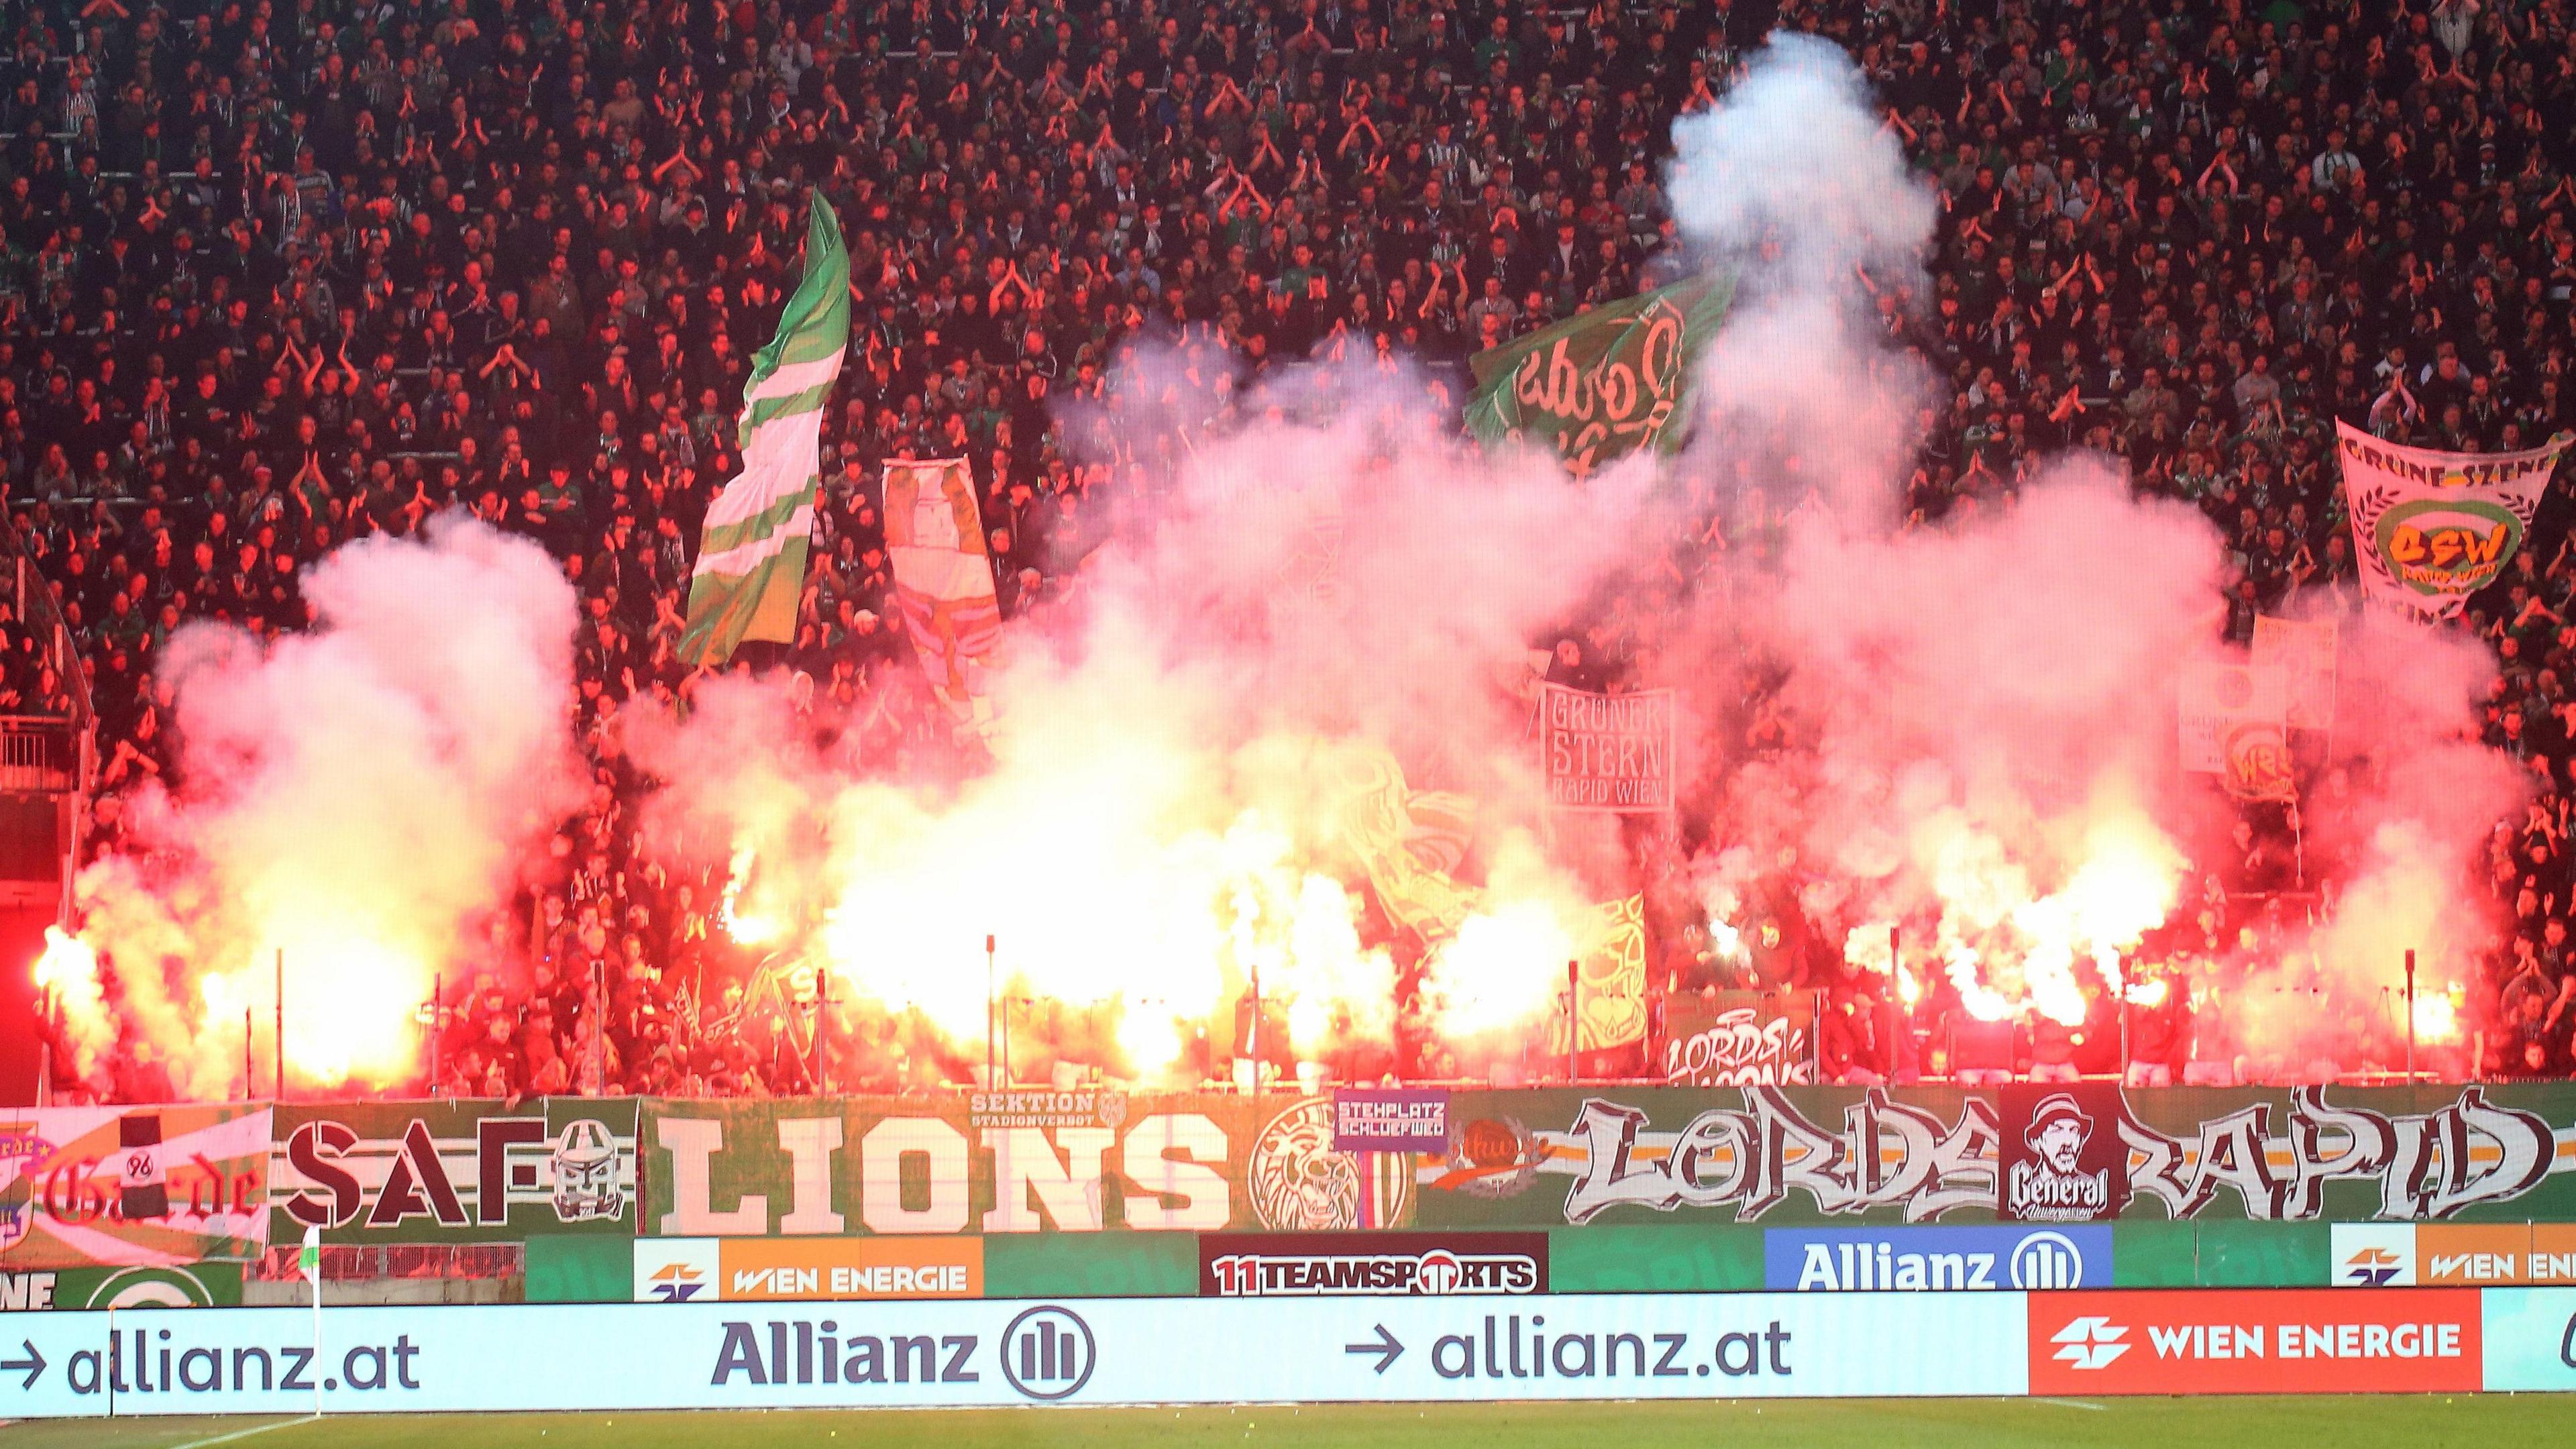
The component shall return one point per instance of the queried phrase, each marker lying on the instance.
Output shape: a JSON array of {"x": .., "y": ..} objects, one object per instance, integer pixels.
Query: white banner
[
  {"x": 994, "y": 1353},
  {"x": 2301, "y": 654},
  {"x": 2432, "y": 528}
]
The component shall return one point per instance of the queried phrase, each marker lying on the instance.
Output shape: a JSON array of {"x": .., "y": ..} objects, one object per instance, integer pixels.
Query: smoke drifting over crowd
[
  {"x": 358, "y": 797},
  {"x": 1283, "y": 728}
]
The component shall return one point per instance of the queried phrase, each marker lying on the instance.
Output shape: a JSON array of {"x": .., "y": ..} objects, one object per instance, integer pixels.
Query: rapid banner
[
  {"x": 1740, "y": 1039},
  {"x": 1604, "y": 383},
  {"x": 1610, "y": 752},
  {"x": 1012, "y": 1162},
  {"x": 995, "y": 1353},
  {"x": 131, "y": 1186},
  {"x": 1790, "y": 1155},
  {"x": 454, "y": 1171},
  {"x": 2432, "y": 527}
]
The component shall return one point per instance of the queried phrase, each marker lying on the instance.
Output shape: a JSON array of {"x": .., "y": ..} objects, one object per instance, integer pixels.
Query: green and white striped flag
[{"x": 751, "y": 556}]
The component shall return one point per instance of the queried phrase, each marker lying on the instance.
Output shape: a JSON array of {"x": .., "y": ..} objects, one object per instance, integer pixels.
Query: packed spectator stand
[{"x": 278, "y": 276}]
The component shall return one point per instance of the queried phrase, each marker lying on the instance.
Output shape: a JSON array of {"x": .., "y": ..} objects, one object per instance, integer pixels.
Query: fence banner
[
  {"x": 1390, "y": 1119},
  {"x": 1818, "y": 1154},
  {"x": 908, "y": 1165},
  {"x": 1740, "y": 1039},
  {"x": 453, "y": 1172},
  {"x": 131, "y": 1186},
  {"x": 191, "y": 1285},
  {"x": 2432, "y": 527},
  {"x": 639, "y": 1356}
]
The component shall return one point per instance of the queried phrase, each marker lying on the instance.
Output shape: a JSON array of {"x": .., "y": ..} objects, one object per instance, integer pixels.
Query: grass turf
[{"x": 2473, "y": 1421}]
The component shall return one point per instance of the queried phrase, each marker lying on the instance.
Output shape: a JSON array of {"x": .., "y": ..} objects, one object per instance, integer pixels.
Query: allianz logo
[{"x": 2038, "y": 1262}]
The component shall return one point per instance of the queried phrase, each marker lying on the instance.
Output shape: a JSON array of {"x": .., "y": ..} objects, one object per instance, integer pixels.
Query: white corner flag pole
[{"x": 310, "y": 1260}]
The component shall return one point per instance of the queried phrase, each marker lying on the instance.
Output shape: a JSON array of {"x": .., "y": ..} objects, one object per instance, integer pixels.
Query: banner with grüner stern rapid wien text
[{"x": 2431, "y": 528}]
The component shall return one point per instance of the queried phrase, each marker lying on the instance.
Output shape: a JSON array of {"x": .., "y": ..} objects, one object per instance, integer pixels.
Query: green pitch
[{"x": 2472, "y": 1420}]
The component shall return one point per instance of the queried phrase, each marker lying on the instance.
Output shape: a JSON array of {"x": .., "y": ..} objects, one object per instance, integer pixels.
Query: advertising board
[
  {"x": 774, "y": 1270},
  {"x": 1311, "y": 1265},
  {"x": 2256, "y": 1341},
  {"x": 990, "y": 1352},
  {"x": 2469, "y": 1255},
  {"x": 2530, "y": 1339},
  {"x": 1936, "y": 1259}
]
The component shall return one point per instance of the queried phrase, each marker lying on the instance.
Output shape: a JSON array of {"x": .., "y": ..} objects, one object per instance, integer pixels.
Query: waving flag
[
  {"x": 751, "y": 556},
  {"x": 1605, "y": 382}
]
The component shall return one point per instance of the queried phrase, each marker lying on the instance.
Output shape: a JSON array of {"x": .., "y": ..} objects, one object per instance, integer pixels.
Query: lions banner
[
  {"x": 454, "y": 1172},
  {"x": 131, "y": 1186},
  {"x": 2432, "y": 527},
  {"x": 1606, "y": 751},
  {"x": 1011, "y": 1162},
  {"x": 1604, "y": 383}
]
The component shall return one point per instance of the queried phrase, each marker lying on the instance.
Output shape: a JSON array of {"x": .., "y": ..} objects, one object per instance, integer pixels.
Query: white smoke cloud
[{"x": 358, "y": 795}]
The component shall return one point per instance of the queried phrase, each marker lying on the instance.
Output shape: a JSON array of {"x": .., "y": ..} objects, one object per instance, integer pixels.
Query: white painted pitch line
[
  {"x": 246, "y": 1433},
  {"x": 2061, "y": 1403}
]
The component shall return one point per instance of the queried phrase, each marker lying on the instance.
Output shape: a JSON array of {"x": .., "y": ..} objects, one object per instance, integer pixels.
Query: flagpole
[{"x": 310, "y": 1260}]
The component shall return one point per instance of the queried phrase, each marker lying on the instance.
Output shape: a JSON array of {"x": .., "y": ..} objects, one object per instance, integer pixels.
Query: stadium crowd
[{"x": 275, "y": 275}]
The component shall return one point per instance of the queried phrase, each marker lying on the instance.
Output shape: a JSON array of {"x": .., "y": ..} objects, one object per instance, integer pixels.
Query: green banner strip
[
  {"x": 2265, "y": 1255},
  {"x": 563, "y": 1268},
  {"x": 1103, "y": 1265},
  {"x": 2158, "y": 1255},
  {"x": 1674, "y": 1259}
]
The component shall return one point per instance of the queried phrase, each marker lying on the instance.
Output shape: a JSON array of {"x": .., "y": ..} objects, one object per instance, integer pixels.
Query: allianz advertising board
[
  {"x": 994, "y": 1352},
  {"x": 2000, "y": 1258}
]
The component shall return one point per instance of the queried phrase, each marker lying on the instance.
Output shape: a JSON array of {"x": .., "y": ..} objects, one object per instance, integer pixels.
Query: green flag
[
  {"x": 1601, "y": 383},
  {"x": 751, "y": 556}
]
